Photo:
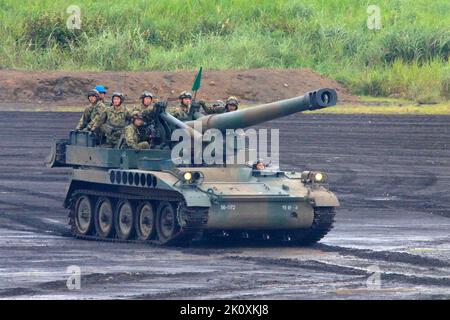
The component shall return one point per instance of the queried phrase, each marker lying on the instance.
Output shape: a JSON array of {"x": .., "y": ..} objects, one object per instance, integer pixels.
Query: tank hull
[
  {"x": 257, "y": 214},
  {"x": 239, "y": 201}
]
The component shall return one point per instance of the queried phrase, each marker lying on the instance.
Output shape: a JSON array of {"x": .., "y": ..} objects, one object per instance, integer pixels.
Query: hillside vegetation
[{"x": 407, "y": 57}]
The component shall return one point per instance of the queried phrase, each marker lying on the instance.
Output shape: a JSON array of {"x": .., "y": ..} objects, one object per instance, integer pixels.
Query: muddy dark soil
[{"x": 391, "y": 173}]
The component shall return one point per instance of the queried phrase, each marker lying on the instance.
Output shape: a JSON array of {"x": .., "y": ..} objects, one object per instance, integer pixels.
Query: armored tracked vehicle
[{"x": 141, "y": 195}]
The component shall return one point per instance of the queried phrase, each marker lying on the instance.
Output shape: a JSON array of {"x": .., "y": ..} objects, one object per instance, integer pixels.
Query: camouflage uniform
[
  {"x": 133, "y": 139},
  {"x": 181, "y": 112},
  {"x": 111, "y": 123},
  {"x": 90, "y": 115},
  {"x": 147, "y": 130},
  {"x": 217, "y": 107},
  {"x": 146, "y": 111}
]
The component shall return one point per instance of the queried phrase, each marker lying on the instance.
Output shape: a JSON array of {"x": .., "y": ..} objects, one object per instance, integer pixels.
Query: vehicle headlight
[
  {"x": 313, "y": 176},
  {"x": 319, "y": 177},
  {"x": 187, "y": 176},
  {"x": 192, "y": 177}
]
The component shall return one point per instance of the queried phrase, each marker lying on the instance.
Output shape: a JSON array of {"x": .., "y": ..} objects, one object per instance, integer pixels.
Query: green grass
[
  {"x": 404, "y": 109},
  {"x": 407, "y": 58}
]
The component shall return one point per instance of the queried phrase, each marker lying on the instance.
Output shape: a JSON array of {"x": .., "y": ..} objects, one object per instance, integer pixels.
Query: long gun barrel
[{"x": 313, "y": 100}]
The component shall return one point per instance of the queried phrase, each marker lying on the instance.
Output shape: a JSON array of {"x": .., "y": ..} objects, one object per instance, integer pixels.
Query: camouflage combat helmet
[
  {"x": 185, "y": 94},
  {"x": 146, "y": 94},
  {"x": 118, "y": 94},
  {"x": 93, "y": 93},
  {"x": 137, "y": 115},
  {"x": 232, "y": 101}
]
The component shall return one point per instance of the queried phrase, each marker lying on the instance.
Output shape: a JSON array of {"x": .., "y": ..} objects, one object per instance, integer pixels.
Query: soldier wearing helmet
[
  {"x": 183, "y": 112},
  {"x": 232, "y": 104},
  {"x": 113, "y": 120},
  {"x": 146, "y": 99},
  {"x": 102, "y": 92},
  {"x": 91, "y": 112},
  {"x": 185, "y": 98},
  {"x": 132, "y": 135},
  {"x": 146, "y": 106}
]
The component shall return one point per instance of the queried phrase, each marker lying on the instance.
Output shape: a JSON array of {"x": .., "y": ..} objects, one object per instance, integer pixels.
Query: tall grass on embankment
[{"x": 407, "y": 58}]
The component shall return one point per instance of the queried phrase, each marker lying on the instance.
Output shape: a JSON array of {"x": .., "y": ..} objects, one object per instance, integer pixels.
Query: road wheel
[
  {"x": 104, "y": 218},
  {"x": 124, "y": 220},
  {"x": 83, "y": 215},
  {"x": 145, "y": 221},
  {"x": 166, "y": 223}
]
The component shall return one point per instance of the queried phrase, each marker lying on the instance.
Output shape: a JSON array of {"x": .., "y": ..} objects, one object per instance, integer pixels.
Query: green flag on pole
[{"x": 197, "y": 81}]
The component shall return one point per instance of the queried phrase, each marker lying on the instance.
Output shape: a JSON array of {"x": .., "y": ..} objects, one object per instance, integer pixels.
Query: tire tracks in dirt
[{"x": 346, "y": 270}]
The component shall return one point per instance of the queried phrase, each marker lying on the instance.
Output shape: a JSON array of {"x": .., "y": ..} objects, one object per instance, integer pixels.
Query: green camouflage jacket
[
  {"x": 182, "y": 112},
  {"x": 214, "y": 109},
  {"x": 133, "y": 138},
  {"x": 114, "y": 117},
  {"x": 90, "y": 116},
  {"x": 147, "y": 112}
]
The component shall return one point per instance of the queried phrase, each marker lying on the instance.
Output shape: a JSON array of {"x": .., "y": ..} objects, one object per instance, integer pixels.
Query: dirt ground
[
  {"x": 391, "y": 173},
  {"x": 47, "y": 89}
]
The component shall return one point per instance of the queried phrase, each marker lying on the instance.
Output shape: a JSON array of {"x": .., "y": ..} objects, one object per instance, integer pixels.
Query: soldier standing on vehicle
[
  {"x": 132, "y": 134},
  {"x": 113, "y": 120},
  {"x": 92, "y": 112}
]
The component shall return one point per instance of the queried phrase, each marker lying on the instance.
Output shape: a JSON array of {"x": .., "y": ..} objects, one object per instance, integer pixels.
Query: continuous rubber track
[
  {"x": 322, "y": 224},
  {"x": 195, "y": 218}
]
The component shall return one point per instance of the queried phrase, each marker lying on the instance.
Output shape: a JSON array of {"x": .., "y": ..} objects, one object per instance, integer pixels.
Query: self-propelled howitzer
[{"x": 142, "y": 195}]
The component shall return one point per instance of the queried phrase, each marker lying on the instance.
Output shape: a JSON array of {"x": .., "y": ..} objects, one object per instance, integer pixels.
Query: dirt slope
[{"x": 250, "y": 86}]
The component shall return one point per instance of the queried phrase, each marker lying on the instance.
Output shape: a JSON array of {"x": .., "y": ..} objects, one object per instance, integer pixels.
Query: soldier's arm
[
  {"x": 130, "y": 138},
  {"x": 83, "y": 121},
  {"x": 96, "y": 117},
  {"x": 214, "y": 109},
  {"x": 204, "y": 108},
  {"x": 174, "y": 111},
  {"x": 100, "y": 119},
  {"x": 129, "y": 113},
  {"x": 80, "y": 125},
  {"x": 220, "y": 109}
]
